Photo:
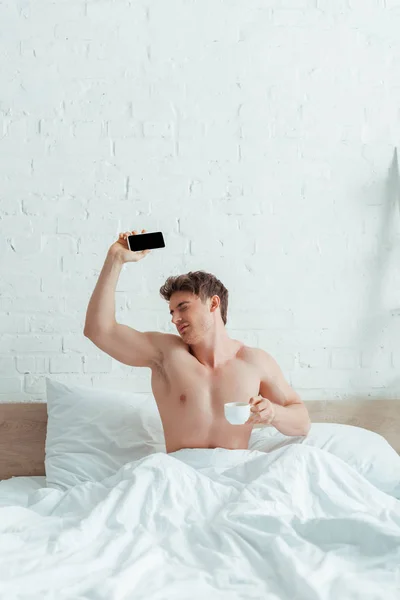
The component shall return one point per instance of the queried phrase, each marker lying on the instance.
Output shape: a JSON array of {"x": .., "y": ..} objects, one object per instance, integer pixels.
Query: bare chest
[{"x": 184, "y": 383}]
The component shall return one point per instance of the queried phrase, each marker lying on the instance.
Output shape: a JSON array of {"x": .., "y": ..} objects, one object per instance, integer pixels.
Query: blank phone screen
[{"x": 146, "y": 241}]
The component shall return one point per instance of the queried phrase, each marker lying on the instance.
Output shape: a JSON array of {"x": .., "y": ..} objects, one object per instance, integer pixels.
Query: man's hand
[
  {"x": 262, "y": 411},
  {"x": 120, "y": 248}
]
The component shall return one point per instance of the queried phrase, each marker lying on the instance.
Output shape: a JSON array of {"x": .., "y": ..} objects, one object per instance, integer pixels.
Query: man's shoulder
[
  {"x": 166, "y": 341},
  {"x": 165, "y": 344},
  {"x": 254, "y": 353},
  {"x": 257, "y": 357}
]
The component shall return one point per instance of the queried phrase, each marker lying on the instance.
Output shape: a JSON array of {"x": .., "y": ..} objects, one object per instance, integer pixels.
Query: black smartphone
[{"x": 145, "y": 241}]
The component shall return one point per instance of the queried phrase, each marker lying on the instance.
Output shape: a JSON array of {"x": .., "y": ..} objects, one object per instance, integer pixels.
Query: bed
[{"x": 239, "y": 526}]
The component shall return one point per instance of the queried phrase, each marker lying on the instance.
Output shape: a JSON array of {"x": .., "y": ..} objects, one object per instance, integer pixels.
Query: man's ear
[{"x": 215, "y": 302}]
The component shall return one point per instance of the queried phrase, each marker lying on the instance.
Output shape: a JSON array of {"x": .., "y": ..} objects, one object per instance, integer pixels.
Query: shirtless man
[{"x": 195, "y": 372}]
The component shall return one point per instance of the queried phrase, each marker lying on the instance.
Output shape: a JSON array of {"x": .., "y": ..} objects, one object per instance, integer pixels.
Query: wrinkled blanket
[{"x": 296, "y": 523}]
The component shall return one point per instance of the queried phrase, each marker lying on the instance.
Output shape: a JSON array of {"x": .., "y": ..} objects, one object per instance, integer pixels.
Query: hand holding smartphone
[
  {"x": 128, "y": 249},
  {"x": 146, "y": 241}
]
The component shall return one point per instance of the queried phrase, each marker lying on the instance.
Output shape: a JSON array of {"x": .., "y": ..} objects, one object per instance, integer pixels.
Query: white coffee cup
[{"x": 237, "y": 413}]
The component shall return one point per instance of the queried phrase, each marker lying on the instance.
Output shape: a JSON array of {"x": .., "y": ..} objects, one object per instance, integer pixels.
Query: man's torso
[{"x": 191, "y": 397}]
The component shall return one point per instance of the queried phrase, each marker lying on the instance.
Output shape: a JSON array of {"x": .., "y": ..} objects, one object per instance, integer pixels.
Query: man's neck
[{"x": 216, "y": 354}]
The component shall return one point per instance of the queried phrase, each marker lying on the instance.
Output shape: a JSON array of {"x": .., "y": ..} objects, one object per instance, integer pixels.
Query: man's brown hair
[{"x": 202, "y": 284}]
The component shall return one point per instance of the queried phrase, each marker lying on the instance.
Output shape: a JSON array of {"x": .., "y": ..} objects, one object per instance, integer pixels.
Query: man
[{"x": 195, "y": 372}]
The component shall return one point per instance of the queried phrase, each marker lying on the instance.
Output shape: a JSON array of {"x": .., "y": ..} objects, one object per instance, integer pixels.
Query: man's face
[{"x": 188, "y": 309}]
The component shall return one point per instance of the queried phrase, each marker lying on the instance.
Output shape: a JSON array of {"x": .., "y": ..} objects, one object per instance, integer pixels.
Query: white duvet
[{"x": 295, "y": 523}]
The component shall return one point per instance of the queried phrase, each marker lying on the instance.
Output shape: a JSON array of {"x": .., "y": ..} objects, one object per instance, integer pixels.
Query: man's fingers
[
  {"x": 258, "y": 405},
  {"x": 251, "y": 419},
  {"x": 264, "y": 413},
  {"x": 256, "y": 400}
]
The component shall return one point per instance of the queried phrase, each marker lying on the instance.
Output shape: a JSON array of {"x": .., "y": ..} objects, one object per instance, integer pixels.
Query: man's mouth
[{"x": 183, "y": 328}]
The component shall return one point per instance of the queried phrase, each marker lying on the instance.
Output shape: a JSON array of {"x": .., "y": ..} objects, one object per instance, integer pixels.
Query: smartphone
[{"x": 145, "y": 241}]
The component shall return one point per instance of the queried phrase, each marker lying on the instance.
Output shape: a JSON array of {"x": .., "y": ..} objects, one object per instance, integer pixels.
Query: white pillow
[
  {"x": 91, "y": 433},
  {"x": 366, "y": 451}
]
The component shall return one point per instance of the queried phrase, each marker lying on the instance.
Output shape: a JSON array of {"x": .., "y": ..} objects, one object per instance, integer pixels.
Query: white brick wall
[{"x": 258, "y": 136}]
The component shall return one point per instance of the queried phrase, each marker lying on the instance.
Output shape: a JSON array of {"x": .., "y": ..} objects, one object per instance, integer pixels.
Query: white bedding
[
  {"x": 16, "y": 490},
  {"x": 292, "y": 524}
]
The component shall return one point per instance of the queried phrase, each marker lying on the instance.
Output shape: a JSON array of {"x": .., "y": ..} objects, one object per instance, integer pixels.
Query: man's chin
[{"x": 187, "y": 337}]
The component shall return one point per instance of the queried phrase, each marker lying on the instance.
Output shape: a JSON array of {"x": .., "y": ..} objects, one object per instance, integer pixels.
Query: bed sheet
[
  {"x": 17, "y": 490},
  {"x": 292, "y": 524}
]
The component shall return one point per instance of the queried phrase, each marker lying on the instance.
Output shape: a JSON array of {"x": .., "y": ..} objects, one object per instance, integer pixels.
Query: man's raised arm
[{"x": 125, "y": 344}]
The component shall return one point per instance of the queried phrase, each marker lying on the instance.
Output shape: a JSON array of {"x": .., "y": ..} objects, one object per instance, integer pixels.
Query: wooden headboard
[{"x": 23, "y": 428}]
